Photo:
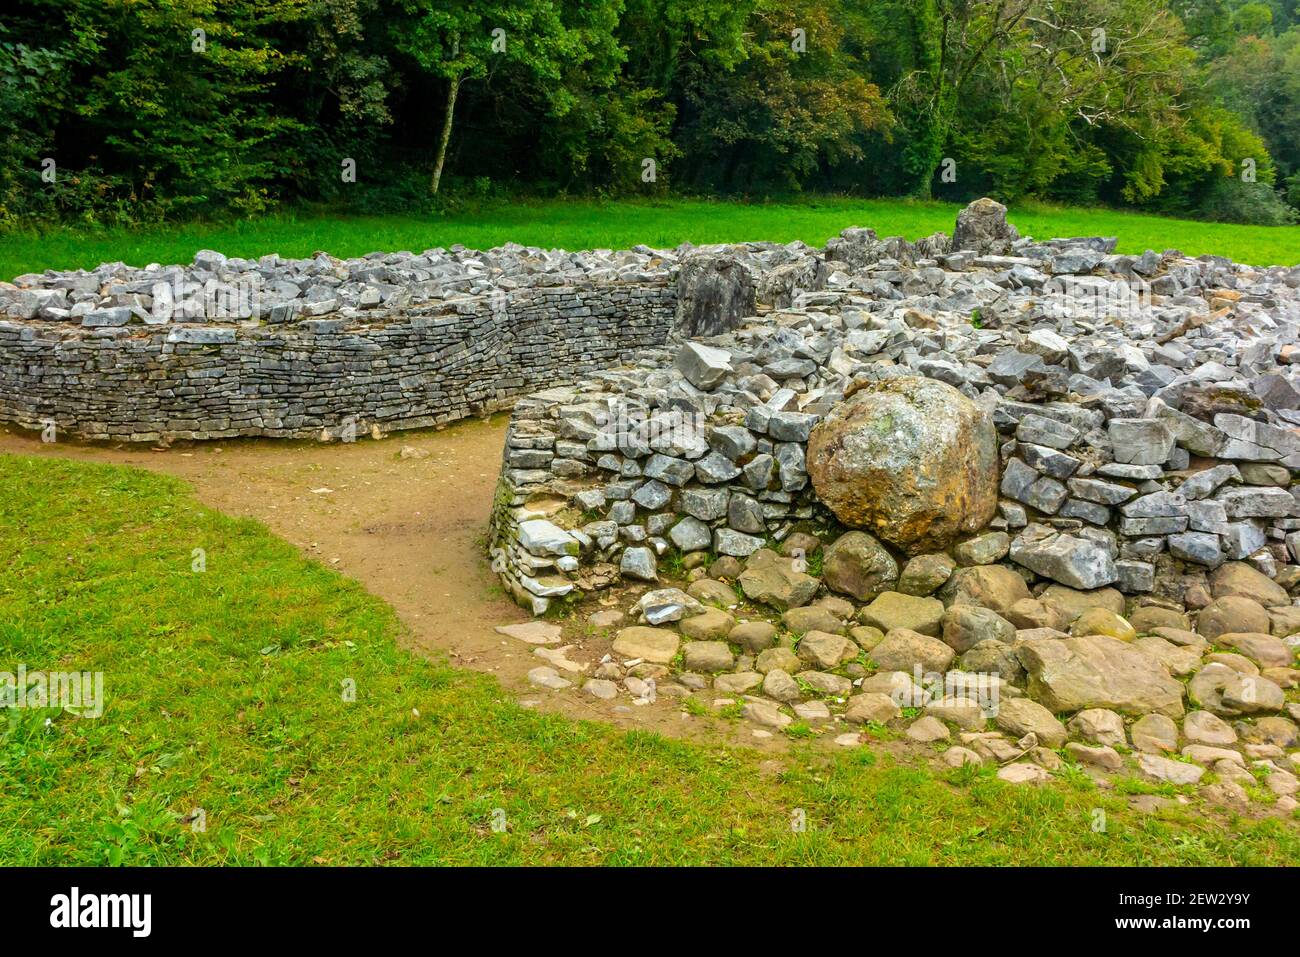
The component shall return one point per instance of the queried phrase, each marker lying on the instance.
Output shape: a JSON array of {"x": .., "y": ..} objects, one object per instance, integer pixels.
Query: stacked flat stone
[
  {"x": 276, "y": 347},
  {"x": 414, "y": 367},
  {"x": 1146, "y": 407}
]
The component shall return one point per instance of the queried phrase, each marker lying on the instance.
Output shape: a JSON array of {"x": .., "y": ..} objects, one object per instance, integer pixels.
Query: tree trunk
[{"x": 445, "y": 138}]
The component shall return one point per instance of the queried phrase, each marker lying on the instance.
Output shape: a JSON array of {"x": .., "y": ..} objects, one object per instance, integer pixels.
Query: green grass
[
  {"x": 223, "y": 693},
  {"x": 589, "y": 224}
]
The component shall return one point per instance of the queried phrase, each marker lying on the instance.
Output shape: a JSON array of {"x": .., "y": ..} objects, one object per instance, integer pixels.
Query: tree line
[{"x": 125, "y": 111}]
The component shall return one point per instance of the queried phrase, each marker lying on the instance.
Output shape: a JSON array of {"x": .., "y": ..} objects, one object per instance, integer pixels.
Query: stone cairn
[{"x": 944, "y": 484}]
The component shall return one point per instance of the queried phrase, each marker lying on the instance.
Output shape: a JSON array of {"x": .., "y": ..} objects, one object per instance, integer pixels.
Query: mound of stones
[
  {"x": 717, "y": 280},
  {"x": 1047, "y": 462},
  {"x": 1122, "y": 420}
]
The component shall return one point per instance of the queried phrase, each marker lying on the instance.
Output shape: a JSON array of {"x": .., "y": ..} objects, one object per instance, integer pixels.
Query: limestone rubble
[{"x": 1132, "y": 572}]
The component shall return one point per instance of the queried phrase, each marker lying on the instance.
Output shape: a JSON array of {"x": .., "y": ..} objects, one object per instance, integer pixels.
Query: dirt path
[{"x": 410, "y": 529}]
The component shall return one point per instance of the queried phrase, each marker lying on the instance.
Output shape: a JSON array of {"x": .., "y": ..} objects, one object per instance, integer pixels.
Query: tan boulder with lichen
[{"x": 909, "y": 459}]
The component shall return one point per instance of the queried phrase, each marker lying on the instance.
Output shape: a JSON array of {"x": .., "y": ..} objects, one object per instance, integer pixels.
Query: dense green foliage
[
  {"x": 227, "y": 736},
  {"x": 154, "y": 108}
]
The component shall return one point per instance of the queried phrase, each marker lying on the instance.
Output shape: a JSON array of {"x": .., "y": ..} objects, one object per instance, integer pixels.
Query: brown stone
[
  {"x": 857, "y": 564},
  {"x": 993, "y": 586},
  {"x": 1240, "y": 580},
  {"x": 909, "y": 459},
  {"x": 1071, "y": 602},
  {"x": 1093, "y": 671},
  {"x": 1232, "y": 613}
]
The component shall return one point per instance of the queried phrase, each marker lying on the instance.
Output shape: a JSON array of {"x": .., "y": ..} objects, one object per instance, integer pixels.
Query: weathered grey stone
[
  {"x": 669, "y": 470},
  {"x": 1257, "y": 502},
  {"x": 714, "y": 293},
  {"x": 1071, "y": 560},
  {"x": 545, "y": 538},
  {"x": 1049, "y": 461},
  {"x": 982, "y": 227},
  {"x": 733, "y": 441},
  {"x": 1207, "y": 482},
  {"x": 1037, "y": 429},
  {"x": 745, "y": 514},
  {"x": 715, "y": 468},
  {"x": 705, "y": 504},
  {"x": 652, "y": 495},
  {"x": 703, "y": 366},
  {"x": 690, "y": 534},
  {"x": 1199, "y": 547},
  {"x": 662, "y": 605},
  {"x": 1135, "y": 577},
  {"x": 639, "y": 563},
  {"x": 1140, "y": 441},
  {"x": 791, "y": 426},
  {"x": 1104, "y": 493},
  {"x": 726, "y": 541}
]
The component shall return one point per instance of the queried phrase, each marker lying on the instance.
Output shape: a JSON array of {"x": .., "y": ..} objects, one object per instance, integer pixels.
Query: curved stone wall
[{"x": 398, "y": 368}]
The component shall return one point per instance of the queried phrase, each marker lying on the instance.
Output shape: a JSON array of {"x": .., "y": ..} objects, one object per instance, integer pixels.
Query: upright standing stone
[
  {"x": 982, "y": 226},
  {"x": 714, "y": 293}
]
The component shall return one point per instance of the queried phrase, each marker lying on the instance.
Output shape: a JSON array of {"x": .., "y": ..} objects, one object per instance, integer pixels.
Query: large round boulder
[{"x": 909, "y": 459}]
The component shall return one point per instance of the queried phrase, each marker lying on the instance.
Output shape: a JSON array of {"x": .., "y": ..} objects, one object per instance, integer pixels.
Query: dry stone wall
[
  {"x": 392, "y": 369},
  {"x": 279, "y": 347},
  {"x": 1147, "y": 425}
]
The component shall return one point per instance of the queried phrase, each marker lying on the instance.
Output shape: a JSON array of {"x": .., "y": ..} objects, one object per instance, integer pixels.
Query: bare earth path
[{"x": 411, "y": 530}]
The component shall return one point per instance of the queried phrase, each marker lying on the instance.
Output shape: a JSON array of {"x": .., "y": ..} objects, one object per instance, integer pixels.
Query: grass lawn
[
  {"x": 223, "y": 692},
  {"x": 587, "y": 224}
]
